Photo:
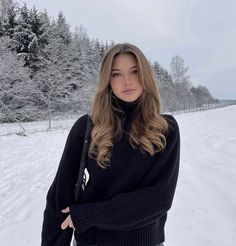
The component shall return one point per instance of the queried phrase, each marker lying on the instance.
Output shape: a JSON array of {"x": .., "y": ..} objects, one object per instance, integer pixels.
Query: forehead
[{"x": 124, "y": 61}]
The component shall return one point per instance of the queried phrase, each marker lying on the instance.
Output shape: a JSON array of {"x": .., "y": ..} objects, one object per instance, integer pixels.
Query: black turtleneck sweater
[{"x": 123, "y": 205}]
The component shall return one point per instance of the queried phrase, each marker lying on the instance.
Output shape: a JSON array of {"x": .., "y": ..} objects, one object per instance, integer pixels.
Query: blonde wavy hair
[{"x": 148, "y": 127}]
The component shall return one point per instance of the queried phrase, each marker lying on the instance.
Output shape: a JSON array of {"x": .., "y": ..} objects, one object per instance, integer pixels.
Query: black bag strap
[{"x": 83, "y": 157}]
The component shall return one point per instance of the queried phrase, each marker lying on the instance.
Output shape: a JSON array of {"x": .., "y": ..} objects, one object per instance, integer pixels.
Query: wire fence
[{"x": 65, "y": 122}]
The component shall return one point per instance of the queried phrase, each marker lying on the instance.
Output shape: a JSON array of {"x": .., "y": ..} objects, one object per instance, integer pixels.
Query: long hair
[{"x": 148, "y": 127}]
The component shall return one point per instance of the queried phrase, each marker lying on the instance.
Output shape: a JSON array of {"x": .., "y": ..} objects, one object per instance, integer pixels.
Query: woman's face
[{"x": 124, "y": 79}]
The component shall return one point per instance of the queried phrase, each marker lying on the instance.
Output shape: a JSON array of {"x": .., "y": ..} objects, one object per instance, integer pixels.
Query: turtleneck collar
[
  {"x": 129, "y": 110},
  {"x": 126, "y": 107}
]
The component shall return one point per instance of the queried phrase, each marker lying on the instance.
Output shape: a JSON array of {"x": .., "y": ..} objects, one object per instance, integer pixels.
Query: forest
[{"x": 48, "y": 70}]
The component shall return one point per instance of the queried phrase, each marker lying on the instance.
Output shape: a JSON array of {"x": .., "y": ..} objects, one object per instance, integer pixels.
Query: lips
[{"x": 129, "y": 90}]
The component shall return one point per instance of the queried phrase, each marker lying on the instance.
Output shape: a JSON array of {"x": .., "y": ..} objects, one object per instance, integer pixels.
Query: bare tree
[{"x": 180, "y": 78}]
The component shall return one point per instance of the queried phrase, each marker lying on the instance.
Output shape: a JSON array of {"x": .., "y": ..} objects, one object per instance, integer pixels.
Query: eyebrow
[{"x": 116, "y": 69}]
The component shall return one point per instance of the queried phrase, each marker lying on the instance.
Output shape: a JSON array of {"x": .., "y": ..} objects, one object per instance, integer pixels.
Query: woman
[{"x": 133, "y": 162}]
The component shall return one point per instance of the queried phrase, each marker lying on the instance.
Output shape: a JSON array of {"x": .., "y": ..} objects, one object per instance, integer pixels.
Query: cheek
[
  {"x": 139, "y": 86},
  {"x": 140, "y": 89},
  {"x": 115, "y": 85}
]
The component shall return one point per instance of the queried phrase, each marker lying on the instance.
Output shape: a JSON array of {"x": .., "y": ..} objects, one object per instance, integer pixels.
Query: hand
[{"x": 67, "y": 222}]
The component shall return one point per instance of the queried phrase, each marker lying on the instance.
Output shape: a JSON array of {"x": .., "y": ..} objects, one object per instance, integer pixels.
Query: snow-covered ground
[{"x": 204, "y": 207}]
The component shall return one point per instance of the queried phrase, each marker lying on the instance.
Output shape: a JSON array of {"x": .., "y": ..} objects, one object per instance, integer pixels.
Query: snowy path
[
  {"x": 27, "y": 167},
  {"x": 204, "y": 208}
]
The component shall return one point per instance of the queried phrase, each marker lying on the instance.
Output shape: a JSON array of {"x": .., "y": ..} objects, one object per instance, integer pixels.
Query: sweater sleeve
[
  {"x": 131, "y": 210},
  {"x": 60, "y": 193}
]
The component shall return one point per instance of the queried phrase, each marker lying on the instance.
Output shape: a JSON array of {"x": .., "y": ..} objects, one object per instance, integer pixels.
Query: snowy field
[{"x": 204, "y": 207}]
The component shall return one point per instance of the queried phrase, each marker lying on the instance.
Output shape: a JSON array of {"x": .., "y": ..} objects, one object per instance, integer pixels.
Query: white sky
[{"x": 203, "y": 32}]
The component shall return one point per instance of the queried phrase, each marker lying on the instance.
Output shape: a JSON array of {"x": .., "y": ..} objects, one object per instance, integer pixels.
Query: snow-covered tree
[
  {"x": 87, "y": 66},
  {"x": 166, "y": 87},
  {"x": 60, "y": 29},
  {"x": 31, "y": 36},
  {"x": 8, "y": 17},
  {"x": 5, "y": 6},
  {"x": 180, "y": 78},
  {"x": 17, "y": 91},
  {"x": 178, "y": 70},
  {"x": 201, "y": 96},
  {"x": 59, "y": 76}
]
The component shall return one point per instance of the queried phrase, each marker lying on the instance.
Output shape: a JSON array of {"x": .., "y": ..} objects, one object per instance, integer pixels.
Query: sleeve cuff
[{"x": 82, "y": 216}]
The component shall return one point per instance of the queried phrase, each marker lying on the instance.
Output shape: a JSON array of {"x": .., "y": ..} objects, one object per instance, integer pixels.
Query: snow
[{"x": 204, "y": 208}]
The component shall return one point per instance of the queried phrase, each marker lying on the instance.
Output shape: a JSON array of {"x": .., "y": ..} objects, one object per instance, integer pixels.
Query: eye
[
  {"x": 115, "y": 74},
  {"x": 134, "y": 71}
]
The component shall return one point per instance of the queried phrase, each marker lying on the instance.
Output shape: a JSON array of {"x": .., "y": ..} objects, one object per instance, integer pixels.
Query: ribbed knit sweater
[{"x": 123, "y": 205}]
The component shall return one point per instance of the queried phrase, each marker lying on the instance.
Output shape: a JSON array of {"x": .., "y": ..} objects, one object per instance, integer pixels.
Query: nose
[{"x": 127, "y": 79}]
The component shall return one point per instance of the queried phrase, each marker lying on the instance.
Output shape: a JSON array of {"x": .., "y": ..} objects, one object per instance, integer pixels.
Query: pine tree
[
  {"x": 8, "y": 17},
  {"x": 54, "y": 79},
  {"x": 88, "y": 64},
  {"x": 17, "y": 90},
  {"x": 61, "y": 29},
  {"x": 31, "y": 36},
  {"x": 165, "y": 86}
]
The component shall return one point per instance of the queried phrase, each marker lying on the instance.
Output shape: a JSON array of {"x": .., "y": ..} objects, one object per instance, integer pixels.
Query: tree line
[{"x": 47, "y": 69}]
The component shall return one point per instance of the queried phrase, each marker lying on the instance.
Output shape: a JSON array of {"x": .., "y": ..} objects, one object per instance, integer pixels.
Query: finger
[
  {"x": 66, "y": 222},
  {"x": 70, "y": 222},
  {"x": 64, "y": 225},
  {"x": 65, "y": 210}
]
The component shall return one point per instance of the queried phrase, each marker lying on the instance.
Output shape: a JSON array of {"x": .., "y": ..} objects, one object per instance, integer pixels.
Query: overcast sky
[{"x": 203, "y": 32}]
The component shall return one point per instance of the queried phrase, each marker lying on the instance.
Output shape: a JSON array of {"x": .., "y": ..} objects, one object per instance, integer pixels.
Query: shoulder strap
[{"x": 83, "y": 157}]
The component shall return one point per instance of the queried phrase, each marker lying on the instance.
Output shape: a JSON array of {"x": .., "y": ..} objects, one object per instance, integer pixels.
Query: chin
[{"x": 130, "y": 99}]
